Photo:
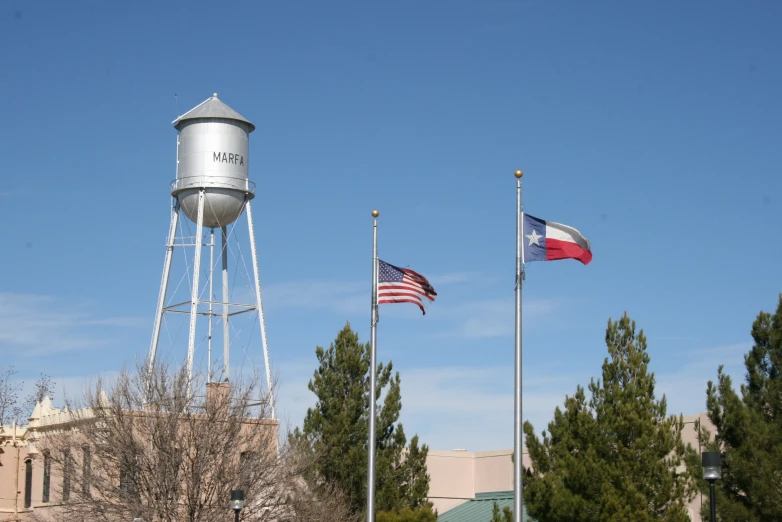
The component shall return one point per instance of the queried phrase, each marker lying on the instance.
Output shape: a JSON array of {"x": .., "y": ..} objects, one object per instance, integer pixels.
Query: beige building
[
  {"x": 31, "y": 486},
  {"x": 460, "y": 476},
  {"x": 26, "y": 481},
  {"x": 456, "y": 477}
]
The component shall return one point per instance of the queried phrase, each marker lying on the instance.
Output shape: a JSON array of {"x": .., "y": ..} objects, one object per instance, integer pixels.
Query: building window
[
  {"x": 127, "y": 478},
  {"x": 67, "y": 468},
  {"x": 86, "y": 471},
  {"x": 28, "y": 483},
  {"x": 47, "y": 476},
  {"x": 248, "y": 464},
  {"x": 243, "y": 461},
  {"x": 244, "y": 465}
]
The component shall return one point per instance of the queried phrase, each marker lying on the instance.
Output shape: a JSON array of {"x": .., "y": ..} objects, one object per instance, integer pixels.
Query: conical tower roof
[{"x": 212, "y": 108}]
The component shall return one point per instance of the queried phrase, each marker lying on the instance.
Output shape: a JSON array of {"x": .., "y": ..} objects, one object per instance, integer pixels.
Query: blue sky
[{"x": 653, "y": 128}]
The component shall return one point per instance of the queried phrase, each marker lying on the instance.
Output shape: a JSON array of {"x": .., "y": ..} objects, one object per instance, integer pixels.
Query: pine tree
[
  {"x": 415, "y": 481},
  {"x": 749, "y": 429},
  {"x": 612, "y": 458},
  {"x": 504, "y": 515},
  {"x": 336, "y": 430},
  {"x": 420, "y": 514}
]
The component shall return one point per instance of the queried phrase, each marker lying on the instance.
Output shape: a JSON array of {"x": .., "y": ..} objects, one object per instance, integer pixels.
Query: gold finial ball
[
  {"x": 375, "y": 213},
  {"x": 518, "y": 174}
]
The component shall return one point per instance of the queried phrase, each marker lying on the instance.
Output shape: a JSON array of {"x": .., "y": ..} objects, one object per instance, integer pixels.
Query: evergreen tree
[
  {"x": 336, "y": 430},
  {"x": 406, "y": 514},
  {"x": 415, "y": 481},
  {"x": 612, "y": 458},
  {"x": 504, "y": 515},
  {"x": 749, "y": 429}
]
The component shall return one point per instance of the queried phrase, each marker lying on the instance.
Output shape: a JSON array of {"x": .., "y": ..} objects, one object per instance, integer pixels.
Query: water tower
[{"x": 212, "y": 188}]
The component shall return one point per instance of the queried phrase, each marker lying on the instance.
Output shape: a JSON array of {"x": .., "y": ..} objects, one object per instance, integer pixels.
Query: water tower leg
[
  {"x": 163, "y": 287},
  {"x": 260, "y": 309},
  {"x": 226, "y": 331},
  {"x": 211, "y": 285},
  {"x": 194, "y": 294}
]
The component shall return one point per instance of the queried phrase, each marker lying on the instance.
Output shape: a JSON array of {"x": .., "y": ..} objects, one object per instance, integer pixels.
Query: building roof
[
  {"x": 212, "y": 108},
  {"x": 480, "y": 508}
]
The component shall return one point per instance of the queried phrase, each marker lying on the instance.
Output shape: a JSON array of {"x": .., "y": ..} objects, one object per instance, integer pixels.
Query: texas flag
[{"x": 549, "y": 241}]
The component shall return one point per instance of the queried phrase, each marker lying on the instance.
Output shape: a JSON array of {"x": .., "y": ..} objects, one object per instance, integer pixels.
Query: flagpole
[
  {"x": 372, "y": 379},
  {"x": 518, "y": 451}
]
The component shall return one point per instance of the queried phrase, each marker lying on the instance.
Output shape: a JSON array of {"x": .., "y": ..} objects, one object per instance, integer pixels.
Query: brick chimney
[{"x": 217, "y": 395}]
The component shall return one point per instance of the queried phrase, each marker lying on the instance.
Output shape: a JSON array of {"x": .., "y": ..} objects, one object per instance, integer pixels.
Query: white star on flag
[{"x": 533, "y": 238}]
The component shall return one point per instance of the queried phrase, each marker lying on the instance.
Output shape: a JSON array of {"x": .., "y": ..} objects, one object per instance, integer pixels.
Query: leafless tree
[
  {"x": 43, "y": 387},
  {"x": 307, "y": 501},
  {"x": 9, "y": 396},
  {"x": 151, "y": 447}
]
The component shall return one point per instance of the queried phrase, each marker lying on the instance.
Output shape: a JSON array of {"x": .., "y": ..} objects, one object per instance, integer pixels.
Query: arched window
[
  {"x": 67, "y": 468},
  {"x": 86, "y": 471},
  {"x": 47, "y": 476},
  {"x": 28, "y": 483}
]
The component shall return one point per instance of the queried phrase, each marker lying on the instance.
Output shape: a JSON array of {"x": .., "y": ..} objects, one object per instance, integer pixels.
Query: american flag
[{"x": 402, "y": 285}]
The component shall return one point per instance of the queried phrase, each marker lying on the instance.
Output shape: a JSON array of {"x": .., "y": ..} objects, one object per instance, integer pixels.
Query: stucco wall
[{"x": 456, "y": 476}]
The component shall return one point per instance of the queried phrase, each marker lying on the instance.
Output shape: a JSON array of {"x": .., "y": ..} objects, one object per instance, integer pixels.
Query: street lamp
[
  {"x": 237, "y": 502},
  {"x": 712, "y": 471}
]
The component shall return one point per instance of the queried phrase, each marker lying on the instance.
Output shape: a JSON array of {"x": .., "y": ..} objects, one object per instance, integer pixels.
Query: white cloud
[
  {"x": 474, "y": 318},
  {"x": 348, "y": 297},
  {"x": 73, "y": 388},
  {"x": 293, "y": 396},
  {"x": 685, "y": 387},
  {"x": 68, "y": 390},
  {"x": 448, "y": 407},
  {"x": 482, "y": 319},
  {"x": 453, "y": 389},
  {"x": 472, "y": 408},
  {"x": 33, "y": 325},
  {"x": 451, "y": 278}
]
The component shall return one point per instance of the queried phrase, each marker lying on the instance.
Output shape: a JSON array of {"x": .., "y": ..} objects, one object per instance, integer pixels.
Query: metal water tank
[{"x": 213, "y": 154}]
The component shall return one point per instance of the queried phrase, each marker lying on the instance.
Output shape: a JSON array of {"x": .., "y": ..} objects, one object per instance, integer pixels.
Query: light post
[
  {"x": 237, "y": 502},
  {"x": 712, "y": 471}
]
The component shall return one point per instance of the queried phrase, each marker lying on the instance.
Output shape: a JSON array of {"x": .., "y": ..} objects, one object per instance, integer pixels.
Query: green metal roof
[{"x": 480, "y": 508}]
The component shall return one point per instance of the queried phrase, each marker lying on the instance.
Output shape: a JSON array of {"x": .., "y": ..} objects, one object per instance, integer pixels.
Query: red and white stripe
[
  {"x": 413, "y": 288},
  {"x": 565, "y": 242}
]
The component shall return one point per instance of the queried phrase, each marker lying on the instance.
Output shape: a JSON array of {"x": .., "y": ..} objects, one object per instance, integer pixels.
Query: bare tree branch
[
  {"x": 165, "y": 453},
  {"x": 9, "y": 396},
  {"x": 44, "y": 387}
]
